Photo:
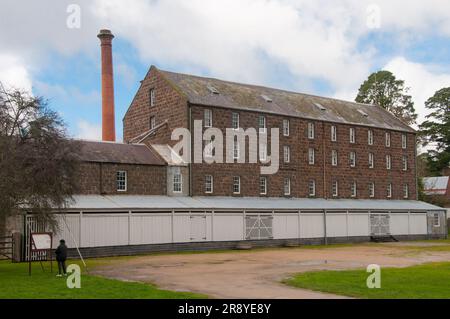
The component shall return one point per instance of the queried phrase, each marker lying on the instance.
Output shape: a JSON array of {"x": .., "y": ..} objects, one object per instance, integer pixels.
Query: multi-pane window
[
  {"x": 208, "y": 118},
  {"x": 209, "y": 184},
  {"x": 287, "y": 154},
  {"x": 263, "y": 185},
  {"x": 387, "y": 138},
  {"x": 371, "y": 160},
  {"x": 312, "y": 188},
  {"x": 352, "y": 159},
  {"x": 404, "y": 140},
  {"x": 177, "y": 183},
  {"x": 353, "y": 189},
  {"x": 334, "y": 157},
  {"x": 152, "y": 97},
  {"x": 370, "y": 137},
  {"x": 311, "y": 157},
  {"x": 286, "y": 127},
  {"x": 209, "y": 148},
  {"x": 262, "y": 124},
  {"x": 287, "y": 186},
  {"x": 436, "y": 220},
  {"x": 372, "y": 189},
  {"x": 389, "y": 190},
  {"x": 235, "y": 148},
  {"x": 352, "y": 135},
  {"x": 311, "y": 130},
  {"x": 405, "y": 162},
  {"x": 121, "y": 181},
  {"x": 236, "y": 184},
  {"x": 388, "y": 161},
  {"x": 405, "y": 191},
  {"x": 152, "y": 122},
  {"x": 333, "y": 133},
  {"x": 235, "y": 120},
  {"x": 263, "y": 152},
  {"x": 335, "y": 189}
]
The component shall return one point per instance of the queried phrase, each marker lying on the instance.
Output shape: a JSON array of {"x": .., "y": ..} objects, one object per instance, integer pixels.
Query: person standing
[{"x": 61, "y": 256}]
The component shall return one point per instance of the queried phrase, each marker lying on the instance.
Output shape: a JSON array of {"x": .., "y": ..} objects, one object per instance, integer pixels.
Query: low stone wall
[{"x": 131, "y": 250}]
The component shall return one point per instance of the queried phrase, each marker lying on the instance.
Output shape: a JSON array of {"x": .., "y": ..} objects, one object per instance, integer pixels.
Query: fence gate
[
  {"x": 6, "y": 247},
  {"x": 198, "y": 228},
  {"x": 33, "y": 225},
  {"x": 258, "y": 227},
  {"x": 379, "y": 225}
]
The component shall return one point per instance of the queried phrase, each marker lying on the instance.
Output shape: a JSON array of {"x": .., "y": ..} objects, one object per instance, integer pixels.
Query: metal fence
[{"x": 6, "y": 247}]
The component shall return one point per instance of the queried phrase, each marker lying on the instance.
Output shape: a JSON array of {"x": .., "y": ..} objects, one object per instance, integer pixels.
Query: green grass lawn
[
  {"x": 16, "y": 283},
  {"x": 428, "y": 281}
]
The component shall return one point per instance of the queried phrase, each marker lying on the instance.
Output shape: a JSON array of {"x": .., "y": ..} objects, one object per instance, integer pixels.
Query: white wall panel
[
  {"x": 285, "y": 226},
  {"x": 358, "y": 224},
  {"x": 228, "y": 226},
  {"x": 399, "y": 224},
  {"x": 418, "y": 224},
  {"x": 181, "y": 228},
  {"x": 151, "y": 229},
  {"x": 336, "y": 224},
  {"x": 311, "y": 225},
  {"x": 104, "y": 230},
  {"x": 66, "y": 232}
]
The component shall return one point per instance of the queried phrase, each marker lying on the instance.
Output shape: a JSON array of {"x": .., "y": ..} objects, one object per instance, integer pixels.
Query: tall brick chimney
[{"x": 108, "y": 126}]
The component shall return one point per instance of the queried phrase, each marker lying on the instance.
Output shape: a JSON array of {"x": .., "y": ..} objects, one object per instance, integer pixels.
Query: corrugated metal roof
[
  {"x": 110, "y": 152},
  {"x": 435, "y": 185},
  {"x": 251, "y": 97},
  {"x": 130, "y": 202}
]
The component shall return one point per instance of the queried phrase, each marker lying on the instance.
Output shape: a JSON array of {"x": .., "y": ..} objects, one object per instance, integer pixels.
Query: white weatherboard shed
[{"x": 126, "y": 220}]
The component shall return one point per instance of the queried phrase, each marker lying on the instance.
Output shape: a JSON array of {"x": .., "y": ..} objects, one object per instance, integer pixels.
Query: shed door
[
  {"x": 258, "y": 227},
  {"x": 379, "y": 225},
  {"x": 198, "y": 228}
]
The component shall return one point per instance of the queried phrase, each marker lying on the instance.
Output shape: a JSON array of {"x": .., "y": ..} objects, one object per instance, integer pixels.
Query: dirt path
[{"x": 257, "y": 274}]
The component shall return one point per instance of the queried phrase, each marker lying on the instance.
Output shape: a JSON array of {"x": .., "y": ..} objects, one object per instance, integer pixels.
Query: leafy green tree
[
  {"x": 383, "y": 89},
  {"x": 435, "y": 131}
]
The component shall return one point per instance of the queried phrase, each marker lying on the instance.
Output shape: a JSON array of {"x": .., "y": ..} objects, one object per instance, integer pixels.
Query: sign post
[{"x": 41, "y": 243}]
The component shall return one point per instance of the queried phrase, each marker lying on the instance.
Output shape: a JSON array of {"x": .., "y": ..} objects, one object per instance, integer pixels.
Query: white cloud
[
  {"x": 14, "y": 73},
  {"x": 424, "y": 80},
  {"x": 89, "y": 131}
]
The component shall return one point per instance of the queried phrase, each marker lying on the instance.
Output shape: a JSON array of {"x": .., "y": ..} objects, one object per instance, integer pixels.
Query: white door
[{"x": 198, "y": 228}]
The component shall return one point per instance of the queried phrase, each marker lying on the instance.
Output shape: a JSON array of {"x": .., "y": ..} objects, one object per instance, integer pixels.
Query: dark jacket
[{"x": 61, "y": 252}]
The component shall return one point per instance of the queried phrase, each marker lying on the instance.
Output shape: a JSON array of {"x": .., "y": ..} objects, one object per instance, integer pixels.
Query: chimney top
[{"x": 105, "y": 33}]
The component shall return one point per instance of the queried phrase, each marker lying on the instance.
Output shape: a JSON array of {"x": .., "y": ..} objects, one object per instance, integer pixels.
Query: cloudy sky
[{"x": 312, "y": 46}]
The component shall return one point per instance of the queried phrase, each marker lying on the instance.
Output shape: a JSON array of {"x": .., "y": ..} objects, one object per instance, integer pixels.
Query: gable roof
[
  {"x": 110, "y": 152},
  {"x": 435, "y": 185},
  {"x": 201, "y": 91}
]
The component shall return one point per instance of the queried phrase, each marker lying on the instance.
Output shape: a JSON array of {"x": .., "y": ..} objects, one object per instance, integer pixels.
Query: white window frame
[
  {"x": 152, "y": 97},
  {"x": 236, "y": 150},
  {"x": 236, "y": 182},
  {"x": 207, "y": 118},
  {"x": 436, "y": 217},
  {"x": 388, "y": 161},
  {"x": 352, "y": 135},
  {"x": 334, "y": 158},
  {"x": 209, "y": 148},
  {"x": 405, "y": 162},
  {"x": 152, "y": 122},
  {"x": 287, "y": 186},
  {"x": 354, "y": 189},
  {"x": 405, "y": 191},
  {"x": 263, "y": 185},
  {"x": 311, "y": 156},
  {"x": 286, "y": 127},
  {"x": 177, "y": 181},
  {"x": 387, "y": 139},
  {"x": 335, "y": 189},
  {"x": 371, "y": 189},
  {"x": 262, "y": 124},
  {"x": 209, "y": 184},
  {"x": 120, "y": 180},
  {"x": 389, "y": 190},
  {"x": 333, "y": 133},
  {"x": 311, "y": 133},
  {"x": 352, "y": 158},
  {"x": 404, "y": 141},
  {"x": 370, "y": 137},
  {"x": 371, "y": 160},
  {"x": 312, "y": 188},
  {"x": 287, "y": 154},
  {"x": 235, "y": 121},
  {"x": 262, "y": 152}
]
